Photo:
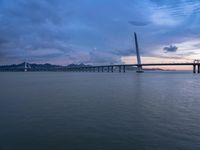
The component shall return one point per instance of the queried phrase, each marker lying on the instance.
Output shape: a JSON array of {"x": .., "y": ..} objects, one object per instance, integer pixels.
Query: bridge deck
[
  {"x": 151, "y": 64},
  {"x": 123, "y": 66}
]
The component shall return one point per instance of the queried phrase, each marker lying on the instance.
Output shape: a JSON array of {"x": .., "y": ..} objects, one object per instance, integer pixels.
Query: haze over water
[{"x": 99, "y": 111}]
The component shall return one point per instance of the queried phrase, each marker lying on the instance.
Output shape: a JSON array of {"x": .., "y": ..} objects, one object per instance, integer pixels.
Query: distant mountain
[
  {"x": 50, "y": 67},
  {"x": 38, "y": 67}
]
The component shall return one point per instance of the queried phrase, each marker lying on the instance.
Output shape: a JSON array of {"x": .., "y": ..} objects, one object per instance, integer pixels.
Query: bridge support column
[
  {"x": 120, "y": 69},
  {"x": 124, "y": 68},
  {"x": 108, "y": 69},
  {"x": 194, "y": 68},
  {"x": 139, "y": 69},
  {"x": 98, "y": 69},
  {"x": 111, "y": 68},
  {"x": 198, "y": 68},
  {"x": 102, "y": 69}
]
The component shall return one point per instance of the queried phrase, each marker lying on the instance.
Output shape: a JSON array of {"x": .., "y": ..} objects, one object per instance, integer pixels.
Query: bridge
[{"x": 139, "y": 65}]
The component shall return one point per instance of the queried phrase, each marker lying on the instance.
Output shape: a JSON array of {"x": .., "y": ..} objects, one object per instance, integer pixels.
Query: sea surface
[{"x": 99, "y": 111}]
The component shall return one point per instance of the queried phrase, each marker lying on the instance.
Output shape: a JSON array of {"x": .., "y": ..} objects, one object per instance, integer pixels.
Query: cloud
[
  {"x": 170, "y": 48},
  {"x": 126, "y": 52},
  {"x": 139, "y": 23},
  {"x": 35, "y": 26},
  {"x": 97, "y": 57},
  {"x": 55, "y": 29},
  {"x": 177, "y": 56}
]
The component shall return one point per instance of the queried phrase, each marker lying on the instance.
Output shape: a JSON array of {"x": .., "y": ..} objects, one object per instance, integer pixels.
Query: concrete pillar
[
  {"x": 111, "y": 68},
  {"x": 139, "y": 69},
  {"x": 102, "y": 69},
  {"x": 124, "y": 68},
  {"x": 98, "y": 69},
  {"x": 194, "y": 68},
  {"x": 120, "y": 69},
  {"x": 198, "y": 68},
  {"x": 108, "y": 69}
]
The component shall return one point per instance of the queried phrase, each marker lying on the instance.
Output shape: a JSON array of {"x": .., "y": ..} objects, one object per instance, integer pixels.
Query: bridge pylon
[
  {"x": 139, "y": 66},
  {"x": 25, "y": 67}
]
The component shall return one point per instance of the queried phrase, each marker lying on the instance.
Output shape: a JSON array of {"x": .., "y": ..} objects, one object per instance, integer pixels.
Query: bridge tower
[
  {"x": 139, "y": 66},
  {"x": 25, "y": 67}
]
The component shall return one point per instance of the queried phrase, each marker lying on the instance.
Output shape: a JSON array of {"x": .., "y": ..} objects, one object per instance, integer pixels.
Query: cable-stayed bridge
[
  {"x": 139, "y": 65},
  {"x": 99, "y": 68}
]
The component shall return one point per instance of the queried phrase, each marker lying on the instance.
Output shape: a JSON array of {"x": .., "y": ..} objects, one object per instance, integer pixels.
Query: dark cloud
[
  {"x": 170, "y": 49},
  {"x": 32, "y": 26},
  {"x": 51, "y": 29},
  {"x": 139, "y": 23}
]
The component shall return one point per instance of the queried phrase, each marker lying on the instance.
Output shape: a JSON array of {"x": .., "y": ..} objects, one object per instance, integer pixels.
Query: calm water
[{"x": 99, "y": 111}]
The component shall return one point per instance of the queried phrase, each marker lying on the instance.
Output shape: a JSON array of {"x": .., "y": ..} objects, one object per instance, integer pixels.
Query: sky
[{"x": 99, "y": 31}]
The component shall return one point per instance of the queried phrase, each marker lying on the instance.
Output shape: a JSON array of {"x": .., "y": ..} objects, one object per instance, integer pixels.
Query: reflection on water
[{"x": 99, "y": 111}]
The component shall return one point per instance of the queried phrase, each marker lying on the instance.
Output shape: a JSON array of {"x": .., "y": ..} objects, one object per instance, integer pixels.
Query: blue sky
[{"x": 98, "y": 31}]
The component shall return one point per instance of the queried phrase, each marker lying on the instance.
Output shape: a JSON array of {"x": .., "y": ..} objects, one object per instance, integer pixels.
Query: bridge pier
[
  {"x": 124, "y": 68},
  {"x": 102, "y": 69},
  {"x": 108, "y": 69},
  {"x": 120, "y": 69},
  {"x": 198, "y": 69},
  {"x": 194, "y": 68},
  {"x": 139, "y": 69},
  {"x": 111, "y": 68}
]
